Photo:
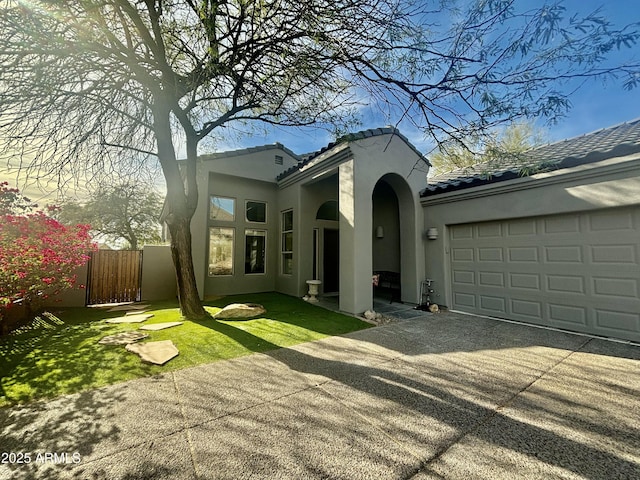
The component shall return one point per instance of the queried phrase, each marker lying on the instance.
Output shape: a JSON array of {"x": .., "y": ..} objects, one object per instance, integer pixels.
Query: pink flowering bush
[
  {"x": 13, "y": 202},
  {"x": 38, "y": 257}
]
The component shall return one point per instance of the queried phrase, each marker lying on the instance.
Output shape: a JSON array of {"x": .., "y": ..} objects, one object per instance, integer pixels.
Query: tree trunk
[
  {"x": 181, "y": 203},
  {"x": 190, "y": 304}
]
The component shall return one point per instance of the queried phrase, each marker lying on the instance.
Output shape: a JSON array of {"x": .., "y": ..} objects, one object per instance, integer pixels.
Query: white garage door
[{"x": 579, "y": 272}]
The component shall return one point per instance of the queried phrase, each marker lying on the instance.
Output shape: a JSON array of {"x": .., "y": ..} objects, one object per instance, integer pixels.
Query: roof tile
[{"x": 619, "y": 140}]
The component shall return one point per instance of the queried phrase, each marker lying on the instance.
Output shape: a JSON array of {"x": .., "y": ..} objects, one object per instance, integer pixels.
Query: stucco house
[
  {"x": 560, "y": 247},
  {"x": 269, "y": 220}
]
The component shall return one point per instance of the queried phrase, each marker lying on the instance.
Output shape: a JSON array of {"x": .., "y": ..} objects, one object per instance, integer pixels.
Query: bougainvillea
[
  {"x": 13, "y": 202},
  {"x": 38, "y": 256}
]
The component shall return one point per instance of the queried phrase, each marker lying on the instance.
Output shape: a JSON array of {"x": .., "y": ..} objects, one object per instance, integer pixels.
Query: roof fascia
[
  {"x": 247, "y": 151},
  {"x": 318, "y": 166},
  {"x": 580, "y": 172}
]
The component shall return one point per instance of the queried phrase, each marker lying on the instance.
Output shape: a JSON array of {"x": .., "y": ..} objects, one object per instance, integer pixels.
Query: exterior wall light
[
  {"x": 432, "y": 233},
  {"x": 379, "y": 231}
]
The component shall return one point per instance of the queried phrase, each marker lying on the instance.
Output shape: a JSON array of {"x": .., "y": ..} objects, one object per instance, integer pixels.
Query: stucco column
[
  {"x": 200, "y": 231},
  {"x": 356, "y": 293}
]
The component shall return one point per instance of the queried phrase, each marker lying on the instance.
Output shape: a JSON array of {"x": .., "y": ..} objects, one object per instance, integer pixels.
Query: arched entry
[
  {"x": 393, "y": 238},
  {"x": 386, "y": 242}
]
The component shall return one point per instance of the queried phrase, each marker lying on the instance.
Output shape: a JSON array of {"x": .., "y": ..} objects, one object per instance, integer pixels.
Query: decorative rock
[
  {"x": 154, "y": 352},
  {"x": 131, "y": 318},
  {"x": 122, "y": 338},
  {"x": 370, "y": 315},
  {"x": 240, "y": 311},
  {"x": 377, "y": 318},
  {"x": 160, "y": 326}
]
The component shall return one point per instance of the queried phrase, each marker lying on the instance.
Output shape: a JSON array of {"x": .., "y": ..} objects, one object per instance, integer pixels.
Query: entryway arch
[{"x": 394, "y": 254}]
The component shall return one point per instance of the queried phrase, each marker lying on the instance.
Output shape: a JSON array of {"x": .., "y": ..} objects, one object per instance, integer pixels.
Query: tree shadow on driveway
[{"x": 493, "y": 400}]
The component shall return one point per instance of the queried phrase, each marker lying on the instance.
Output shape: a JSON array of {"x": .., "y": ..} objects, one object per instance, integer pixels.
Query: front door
[{"x": 331, "y": 261}]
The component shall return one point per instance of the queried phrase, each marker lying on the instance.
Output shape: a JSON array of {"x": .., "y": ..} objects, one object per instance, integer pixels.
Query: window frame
[
  {"x": 246, "y": 210},
  {"x": 232, "y": 254},
  {"x": 233, "y": 213},
  {"x": 284, "y": 253},
  {"x": 264, "y": 250}
]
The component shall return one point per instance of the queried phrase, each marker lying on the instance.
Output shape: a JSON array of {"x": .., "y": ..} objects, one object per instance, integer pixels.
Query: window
[
  {"x": 328, "y": 211},
  {"x": 255, "y": 251},
  {"x": 256, "y": 211},
  {"x": 279, "y": 160},
  {"x": 287, "y": 242},
  {"x": 222, "y": 208},
  {"x": 220, "y": 251}
]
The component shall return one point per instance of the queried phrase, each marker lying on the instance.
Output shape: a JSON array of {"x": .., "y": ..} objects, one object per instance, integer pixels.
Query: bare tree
[
  {"x": 84, "y": 84},
  {"x": 126, "y": 211}
]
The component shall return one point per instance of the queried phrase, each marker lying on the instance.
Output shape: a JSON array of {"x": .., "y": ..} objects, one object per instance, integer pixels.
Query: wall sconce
[
  {"x": 432, "y": 233},
  {"x": 379, "y": 231}
]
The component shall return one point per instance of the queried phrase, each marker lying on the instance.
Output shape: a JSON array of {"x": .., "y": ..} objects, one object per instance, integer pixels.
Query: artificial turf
[{"x": 59, "y": 353}]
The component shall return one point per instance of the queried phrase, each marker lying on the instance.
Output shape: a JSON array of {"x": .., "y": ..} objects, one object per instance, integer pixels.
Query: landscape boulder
[{"x": 239, "y": 311}]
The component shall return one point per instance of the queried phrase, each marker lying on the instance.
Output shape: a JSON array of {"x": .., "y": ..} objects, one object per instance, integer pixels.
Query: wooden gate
[{"x": 114, "y": 276}]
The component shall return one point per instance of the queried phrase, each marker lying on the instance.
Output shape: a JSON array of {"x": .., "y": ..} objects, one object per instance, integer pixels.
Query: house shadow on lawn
[{"x": 293, "y": 311}]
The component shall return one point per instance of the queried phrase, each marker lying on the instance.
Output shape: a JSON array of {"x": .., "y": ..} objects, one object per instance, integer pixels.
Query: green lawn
[{"x": 59, "y": 354}]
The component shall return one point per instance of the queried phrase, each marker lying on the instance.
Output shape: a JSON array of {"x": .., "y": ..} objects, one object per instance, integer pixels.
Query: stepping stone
[
  {"x": 160, "y": 326},
  {"x": 135, "y": 312},
  {"x": 122, "y": 338},
  {"x": 154, "y": 352},
  {"x": 121, "y": 308},
  {"x": 131, "y": 318},
  {"x": 240, "y": 311}
]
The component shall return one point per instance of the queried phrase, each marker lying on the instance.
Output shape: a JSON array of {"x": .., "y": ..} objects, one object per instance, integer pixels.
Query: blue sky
[{"x": 596, "y": 105}]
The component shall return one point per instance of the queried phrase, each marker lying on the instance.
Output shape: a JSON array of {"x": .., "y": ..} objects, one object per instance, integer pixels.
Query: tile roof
[
  {"x": 351, "y": 137},
  {"x": 245, "y": 151},
  {"x": 619, "y": 140}
]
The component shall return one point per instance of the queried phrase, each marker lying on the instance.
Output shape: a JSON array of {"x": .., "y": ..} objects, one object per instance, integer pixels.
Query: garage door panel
[
  {"x": 561, "y": 225},
  {"x": 616, "y": 288},
  {"x": 617, "y": 322},
  {"x": 523, "y": 254},
  {"x": 564, "y": 284},
  {"x": 611, "y": 221},
  {"x": 527, "y": 281},
  {"x": 464, "y": 277},
  {"x": 491, "y": 279},
  {"x": 493, "y": 305},
  {"x": 569, "y": 315},
  {"x": 461, "y": 232},
  {"x": 528, "y": 309},
  {"x": 614, "y": 254},
  {"x": 489, "y": 230},
  {"x": 525, "y": 227},
  {"x": 575, "y": 271},
  {"x": 464, "y": 300},
  {"x": 563, "y": 254},
  {"x": 490, "y": 254},
  {"x": 462, "y": 255}
]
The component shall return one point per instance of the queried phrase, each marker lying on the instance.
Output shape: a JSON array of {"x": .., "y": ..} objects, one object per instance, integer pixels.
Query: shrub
[{"x": 38, "y": 257}]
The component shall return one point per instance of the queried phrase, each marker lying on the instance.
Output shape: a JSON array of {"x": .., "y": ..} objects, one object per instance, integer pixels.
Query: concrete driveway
[{"x": 441, "y": 396}]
